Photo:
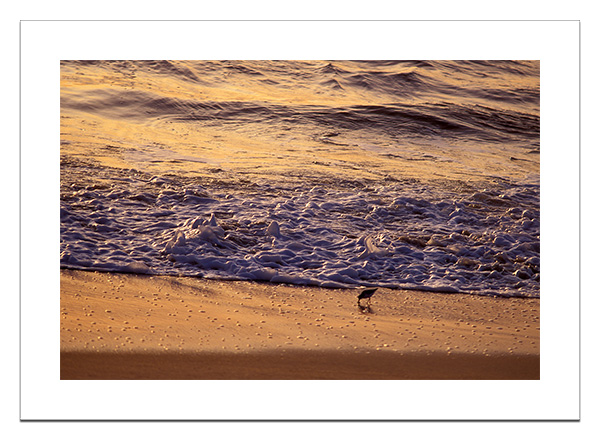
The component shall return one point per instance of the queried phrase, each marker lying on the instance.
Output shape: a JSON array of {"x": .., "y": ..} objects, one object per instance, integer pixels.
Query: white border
[{"x": 44, "y": 396}]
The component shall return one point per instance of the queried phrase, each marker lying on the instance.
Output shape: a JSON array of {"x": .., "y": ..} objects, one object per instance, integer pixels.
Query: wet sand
[{"x": 117, "y": 326}]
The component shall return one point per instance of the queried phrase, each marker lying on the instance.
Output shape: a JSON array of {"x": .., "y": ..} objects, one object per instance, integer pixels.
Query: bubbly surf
[{"x": 416, "y": 175}]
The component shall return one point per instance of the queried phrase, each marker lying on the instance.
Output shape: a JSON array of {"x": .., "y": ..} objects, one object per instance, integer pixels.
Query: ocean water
[{"x": 402, "y": 174}]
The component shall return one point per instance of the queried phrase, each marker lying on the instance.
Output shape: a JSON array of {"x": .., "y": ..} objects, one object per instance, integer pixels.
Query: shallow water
[{"x": 421, "y": 175}]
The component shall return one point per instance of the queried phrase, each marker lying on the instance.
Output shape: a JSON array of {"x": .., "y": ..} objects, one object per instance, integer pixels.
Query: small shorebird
[{"x": 367, "y": 293}]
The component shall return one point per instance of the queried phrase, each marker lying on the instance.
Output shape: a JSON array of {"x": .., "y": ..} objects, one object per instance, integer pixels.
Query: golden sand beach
[{"x": 123, "y": 326}]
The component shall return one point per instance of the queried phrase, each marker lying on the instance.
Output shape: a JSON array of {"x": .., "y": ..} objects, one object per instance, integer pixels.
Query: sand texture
[{"x": 117, "y": 326}]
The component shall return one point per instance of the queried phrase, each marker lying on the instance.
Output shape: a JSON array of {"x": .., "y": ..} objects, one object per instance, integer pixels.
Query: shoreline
[{"x": 124, "y": 326}]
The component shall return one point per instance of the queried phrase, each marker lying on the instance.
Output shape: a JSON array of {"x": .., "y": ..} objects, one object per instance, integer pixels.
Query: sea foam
[{"x": 395, "y": 235}]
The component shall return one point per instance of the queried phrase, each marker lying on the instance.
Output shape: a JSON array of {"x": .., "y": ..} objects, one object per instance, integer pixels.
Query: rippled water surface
[{"x": 416, "y": 174}]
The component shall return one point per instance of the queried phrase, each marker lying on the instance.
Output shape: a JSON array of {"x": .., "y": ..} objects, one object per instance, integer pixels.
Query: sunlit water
[{"x": 420, "y": 175}]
